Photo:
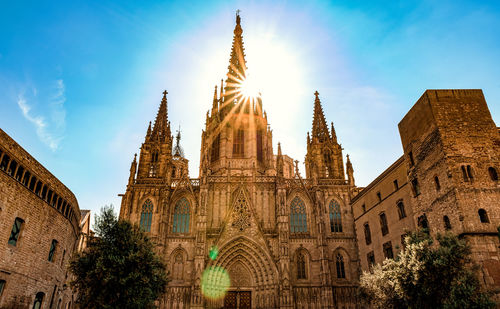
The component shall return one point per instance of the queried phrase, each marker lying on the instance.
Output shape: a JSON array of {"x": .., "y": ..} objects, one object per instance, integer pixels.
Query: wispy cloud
[{"x": 50, "y": 129}]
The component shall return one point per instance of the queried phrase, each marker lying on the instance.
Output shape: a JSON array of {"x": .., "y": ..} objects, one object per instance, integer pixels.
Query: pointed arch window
[
  {"x": 335, "y": 217},
  {"x": 181, "y": 216},
  {"x": 301, "y": 266},
  {"x": 38, "y": 300},
  {"x": 340, "y": 266},
  {"x": 214, "y": 153},
  {"x": 298, "y": 216},
  {"x": 178, "y": 267},
  {"x": 238, "y": 143},
  {"x": 260, "y": 155},
  {"x": 146, "y": 216}
]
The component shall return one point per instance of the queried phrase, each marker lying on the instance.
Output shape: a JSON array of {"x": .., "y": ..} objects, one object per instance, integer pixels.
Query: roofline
[{"x": 372, "y": 184}]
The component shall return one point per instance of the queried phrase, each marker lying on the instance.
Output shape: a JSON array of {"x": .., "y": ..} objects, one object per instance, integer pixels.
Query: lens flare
[
  {"x": 213, "y": 253},
  {"x": 215, "y": 282}
]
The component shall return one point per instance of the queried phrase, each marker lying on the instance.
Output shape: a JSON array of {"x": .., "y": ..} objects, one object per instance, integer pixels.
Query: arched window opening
[
  {"x": 178, "y": 267},
  {"x": 12, "y": 168},
  {"x": 301, "y": 266},
  {"x": 173, "y": 171},
  {"x": 52, "y": 251},
  {"x": 483, "y": 216},
  {"x": 146, "y": 216},
  {"x": 422, "y": 222},
  {"x": 238, "y": 143},
  {"x": 335, "y": 217},
  {"x": 368, "y": 234},
  {"x": 154, "y": 156},
  {"x": 340, "y": 266},
  {"x": 16, "y": 231},
  {"x": 214, "y": 152},
  {"x": 5, "y": 162},
  {"x": 469, "y": 172},
  {"x": 464, "y": 173},
  {"x": 401, "y": 210},
  {"x": 383, "y": 224},
  {"x": 26, "y": 178},
  {"x": 19, "y": 173},
  {"x": 181, "y": 216},
  {"x": 260, "y": 155},
  {"x": 2, "y": 285},
  {"x": 32, "y": 183},
  {"x": 447, "y": 223},
  {"x": 38, "y": 300},
  {"x": 436, "y": 183},
  {"x": 298, "y": 216},
  {"x": 493, "y": 173}
]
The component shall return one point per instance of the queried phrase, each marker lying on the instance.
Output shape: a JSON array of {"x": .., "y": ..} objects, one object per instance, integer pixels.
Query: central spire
[
  {"x": 237, "y": 64},
  {"x": 319, "y": 128}
]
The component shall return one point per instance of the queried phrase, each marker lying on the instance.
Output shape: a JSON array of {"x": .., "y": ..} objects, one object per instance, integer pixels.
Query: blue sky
[{"x": 80, "y": 81}]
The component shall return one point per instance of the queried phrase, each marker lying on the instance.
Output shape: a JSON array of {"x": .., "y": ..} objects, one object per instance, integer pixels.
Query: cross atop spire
[
  {"x": 319, "y": 127},
  {"x": 161, "y": 128}
]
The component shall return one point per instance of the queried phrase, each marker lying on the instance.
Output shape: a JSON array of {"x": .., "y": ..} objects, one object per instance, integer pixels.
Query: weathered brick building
[
  {"x": 40, "y": 226},
  {"x": 279, "y": 239},
  {"x": 448, "y": 178}
]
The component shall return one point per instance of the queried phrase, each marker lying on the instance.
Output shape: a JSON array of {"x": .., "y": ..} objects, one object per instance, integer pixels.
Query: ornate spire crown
[
  {"x": 319, "y": 126},
  {"x": 237, "y": 63},
  {"x": 161, "y": 128}
]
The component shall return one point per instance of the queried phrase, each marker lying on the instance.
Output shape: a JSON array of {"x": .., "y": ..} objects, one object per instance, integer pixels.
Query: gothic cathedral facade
[{"x": 284, "y": 240}]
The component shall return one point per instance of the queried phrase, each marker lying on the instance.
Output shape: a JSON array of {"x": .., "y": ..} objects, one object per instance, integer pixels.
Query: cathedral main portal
[{"x": 238, "y": 300}]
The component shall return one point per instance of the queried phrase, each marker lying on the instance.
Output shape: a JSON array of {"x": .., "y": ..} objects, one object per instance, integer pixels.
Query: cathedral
[{"x": 250, "y": 231}]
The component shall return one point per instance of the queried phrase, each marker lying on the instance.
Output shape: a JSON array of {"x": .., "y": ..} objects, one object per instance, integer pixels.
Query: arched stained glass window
[
  {"x": 146, "y": 216},
  {"x": 335, "y": 217},
  {"x": 301, "y": 266},
  {"x": 340, "y": 266},
  {"x": 298, "y": 216},
  {"x": 181, "y": 216}
]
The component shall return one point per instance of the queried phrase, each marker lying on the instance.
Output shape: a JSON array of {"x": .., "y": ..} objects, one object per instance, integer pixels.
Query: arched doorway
[{"x": 253, "y": 275}]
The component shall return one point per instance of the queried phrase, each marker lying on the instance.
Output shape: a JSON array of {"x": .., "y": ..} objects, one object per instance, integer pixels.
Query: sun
[{"x": 249, "y": 87}]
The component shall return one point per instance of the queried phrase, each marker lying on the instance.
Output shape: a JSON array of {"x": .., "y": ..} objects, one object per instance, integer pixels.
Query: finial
[
  {"x": 165, "y": 94},
  {"x": 238, "y": 19},
  {"x": 316, "y": 93}
]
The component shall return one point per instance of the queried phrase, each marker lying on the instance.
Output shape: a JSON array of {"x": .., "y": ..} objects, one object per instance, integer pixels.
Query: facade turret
[
  {"x": 324, "y": 153},
  {"x": 156, "y": 151},
  {"x": 350, "y": 172},
  {"x": 133, "y": 169}
]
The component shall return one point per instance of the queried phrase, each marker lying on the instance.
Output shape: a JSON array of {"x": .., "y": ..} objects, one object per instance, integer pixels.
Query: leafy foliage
[
  {"x": 119, "y": 268},
  {"x": 426, "y": 276}
]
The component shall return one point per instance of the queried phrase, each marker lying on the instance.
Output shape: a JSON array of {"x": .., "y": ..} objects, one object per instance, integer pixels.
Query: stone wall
[{"x": 25, "y": 266}]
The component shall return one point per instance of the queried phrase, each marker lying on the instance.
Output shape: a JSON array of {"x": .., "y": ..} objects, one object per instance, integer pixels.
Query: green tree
[
  {"x": 425, "y": 276},
  {"x": 119, "y": 268}
]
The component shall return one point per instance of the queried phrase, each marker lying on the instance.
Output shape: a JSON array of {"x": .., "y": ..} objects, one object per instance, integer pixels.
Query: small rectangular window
[
  {"x": 379, "y": 196},
  {"x": 52, "y": 250},
  {"x": 363, "y": 207},
  {"x": 416, "y": 187},
  {"x": 32, "y": 183},
  {"x": 370, "y": 258},
  {"x": 16, "y": 231},
  {"x": 396, "y": 185},
  {"x": 383, "y": 224},
  {"x": 388, "y": 250}
]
